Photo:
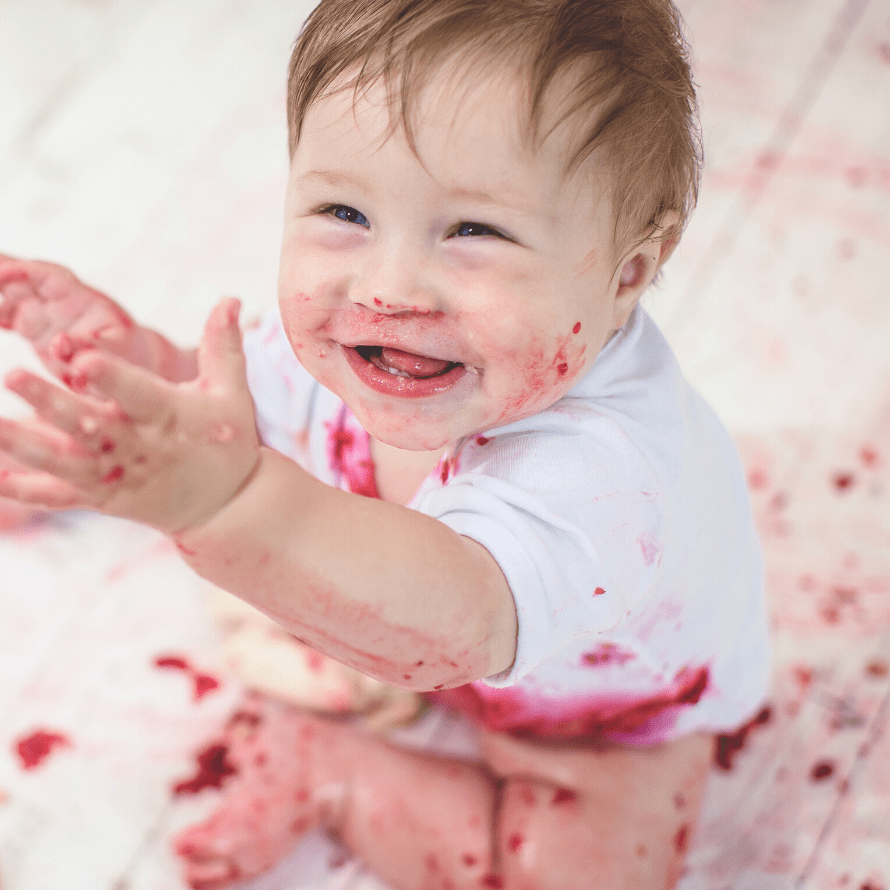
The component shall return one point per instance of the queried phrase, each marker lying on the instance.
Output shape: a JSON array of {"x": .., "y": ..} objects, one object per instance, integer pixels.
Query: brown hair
[{"x": 628, "y": 61}]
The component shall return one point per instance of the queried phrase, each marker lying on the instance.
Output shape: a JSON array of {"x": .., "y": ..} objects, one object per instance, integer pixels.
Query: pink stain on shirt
[
  {"x": 649, "y": 547},
  {"x": 349, "y": 454},
  {"x": 607, "y": 653},
  {"x": 620, "y": 717}
]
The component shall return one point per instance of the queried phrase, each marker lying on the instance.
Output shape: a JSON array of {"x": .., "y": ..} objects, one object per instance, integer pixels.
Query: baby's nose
[{"x": 394, "y": 281}]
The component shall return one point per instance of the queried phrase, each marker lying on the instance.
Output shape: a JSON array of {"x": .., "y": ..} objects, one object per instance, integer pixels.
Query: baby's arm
[
  {"x": 59, "y": 314},
  {"x": 381, "y": 588}
]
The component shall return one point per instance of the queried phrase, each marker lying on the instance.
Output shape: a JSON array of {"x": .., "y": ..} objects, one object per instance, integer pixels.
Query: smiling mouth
[{"x": 405, "y": 375}]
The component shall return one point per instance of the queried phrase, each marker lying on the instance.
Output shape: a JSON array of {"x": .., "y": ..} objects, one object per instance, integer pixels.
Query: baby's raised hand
[
  {"x": 60, "y": 315},
  {"x": 127, "y": 442}
]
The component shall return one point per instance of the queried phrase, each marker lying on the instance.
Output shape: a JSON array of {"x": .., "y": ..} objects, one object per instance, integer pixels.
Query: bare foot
[{"x": 277, "y": 791}]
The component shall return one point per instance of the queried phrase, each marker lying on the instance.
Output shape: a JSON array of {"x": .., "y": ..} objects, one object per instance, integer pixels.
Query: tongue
[{"x": 409, "y": 363}]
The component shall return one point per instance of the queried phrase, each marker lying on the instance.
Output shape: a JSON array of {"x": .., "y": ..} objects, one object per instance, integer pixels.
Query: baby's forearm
[{"x": 393, "y": 593}]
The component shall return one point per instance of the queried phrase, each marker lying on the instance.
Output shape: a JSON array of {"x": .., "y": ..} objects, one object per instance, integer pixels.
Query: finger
[
  {"x": 42, "y": 449},
  {"x": 40, "y": 489},
  {"x": 221, "y": 355},
  {"x": 140, "y": 394},
  {"x": 63, "y": 409}
]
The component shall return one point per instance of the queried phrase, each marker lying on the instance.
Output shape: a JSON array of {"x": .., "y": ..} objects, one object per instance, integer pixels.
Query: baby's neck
[{"x": 398, "y": 472}]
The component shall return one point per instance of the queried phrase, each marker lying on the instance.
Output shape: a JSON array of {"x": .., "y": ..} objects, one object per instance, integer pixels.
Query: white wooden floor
[{"x": 142, "y": 142}]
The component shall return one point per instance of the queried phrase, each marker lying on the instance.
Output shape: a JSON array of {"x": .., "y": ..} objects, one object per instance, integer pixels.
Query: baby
[{"x": 462, "y": 460}]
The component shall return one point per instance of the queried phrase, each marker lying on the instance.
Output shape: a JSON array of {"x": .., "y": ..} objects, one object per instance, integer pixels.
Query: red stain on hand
[
  {"x": 728, "y": 745},
  {"x": 212, "y": 771},
  {"x": 35, "y": 748}
]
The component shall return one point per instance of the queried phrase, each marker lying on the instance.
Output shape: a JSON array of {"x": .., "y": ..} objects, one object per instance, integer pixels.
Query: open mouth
[
  {"x": 394, "y": 372},
  {"x": 405, "y": 364}
]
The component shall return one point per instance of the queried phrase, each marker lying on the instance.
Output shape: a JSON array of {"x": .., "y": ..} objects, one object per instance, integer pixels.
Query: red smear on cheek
[
  {"x": 212, "y": 771},
  {"x": 107, "y": 446},
  {"x": 113, "y": 474},
  {"x": 35, "y": 748},
  {"x": 728, "y": 745},
  {"x": 515, "y": 842}
]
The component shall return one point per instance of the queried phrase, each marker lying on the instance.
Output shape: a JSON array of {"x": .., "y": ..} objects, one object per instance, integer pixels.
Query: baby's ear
[{"x": 640, "y": 266}]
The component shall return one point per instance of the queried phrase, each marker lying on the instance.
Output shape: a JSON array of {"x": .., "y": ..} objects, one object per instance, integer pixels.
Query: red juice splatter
[
  {"x": 599, "y": 591},
  {"x": 35, "y": 748},
  {"x": 562, "y": 368},
  {"x": 514, "y": 842},
  {"x": 482, "y": 440},
  {"x": 607, "y": 653},
  {"x": 107, "y": 446},
  {"x": 468, "y": 860},
  {"x": 577, "y": 327},
  {"x": 728, "y": 745},
  {"x": 822, "y": 770},
  {"x": 213, "y": 769},
  {"x": 204, "y": 684},
  {"x": 172, "y": 661}
]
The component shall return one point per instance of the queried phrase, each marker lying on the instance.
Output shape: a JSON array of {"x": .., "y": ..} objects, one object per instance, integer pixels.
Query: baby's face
[{"x": 453, "y": 291}]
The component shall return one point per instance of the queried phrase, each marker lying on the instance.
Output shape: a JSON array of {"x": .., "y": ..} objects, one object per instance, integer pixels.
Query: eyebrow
[{"x": 329, "y": 178}]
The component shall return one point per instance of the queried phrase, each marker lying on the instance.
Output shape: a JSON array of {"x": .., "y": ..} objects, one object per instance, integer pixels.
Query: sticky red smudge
[
  {"x": 35, "y": 748},
  {"x": 877, "y": 669},
  {"x": 492, "y": 881},
  {"x": 599, "y": 591},
  {"x": 681, "y": 840},
  {"x": 515, "y": 841},
  {"x": 107, "y": 446},
  {"x": 468, "y": 860},
  {"x": 446, "y": 467},
  {"x": 482, "y": 440},
  {"x": 843, "y": 481},
  {"x": 172, "y": 661},
  {"x": 822, "y": 770},
  {"x": 563, "y": 795},
  {"x": 213, "y": 769},
  {"x": 113, "y": 474},
  {"x": 562, "y": 368},
  {"x": 577, "y": 327},
  {"x": 728, "y": 745},
  {"x": 378, "y": 301}
]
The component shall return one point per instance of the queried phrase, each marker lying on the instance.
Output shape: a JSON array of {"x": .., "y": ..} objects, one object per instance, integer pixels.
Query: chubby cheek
[{"x": 531, "y": 369}]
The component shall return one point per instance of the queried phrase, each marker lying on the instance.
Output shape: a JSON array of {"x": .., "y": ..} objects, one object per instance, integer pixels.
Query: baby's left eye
[{"x": 475, "y": 229}]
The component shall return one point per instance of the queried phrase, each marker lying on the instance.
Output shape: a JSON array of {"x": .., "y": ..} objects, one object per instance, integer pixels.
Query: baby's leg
[{"x": 532, "y": 817}]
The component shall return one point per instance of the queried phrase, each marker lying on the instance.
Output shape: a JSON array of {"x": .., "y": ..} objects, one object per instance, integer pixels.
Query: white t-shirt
[{"x": 621, "y": 521}]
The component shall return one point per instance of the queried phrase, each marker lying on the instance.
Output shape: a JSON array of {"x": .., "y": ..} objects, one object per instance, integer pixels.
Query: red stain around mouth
[{"x": 35, "y": 748}]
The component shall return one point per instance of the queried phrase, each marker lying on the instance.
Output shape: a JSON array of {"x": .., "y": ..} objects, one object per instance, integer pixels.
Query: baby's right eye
[{"x": 347, "y": 214}]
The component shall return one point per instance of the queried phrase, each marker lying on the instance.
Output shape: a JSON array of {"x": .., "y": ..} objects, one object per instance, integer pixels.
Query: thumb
[{"x": 220, "y": 355}]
